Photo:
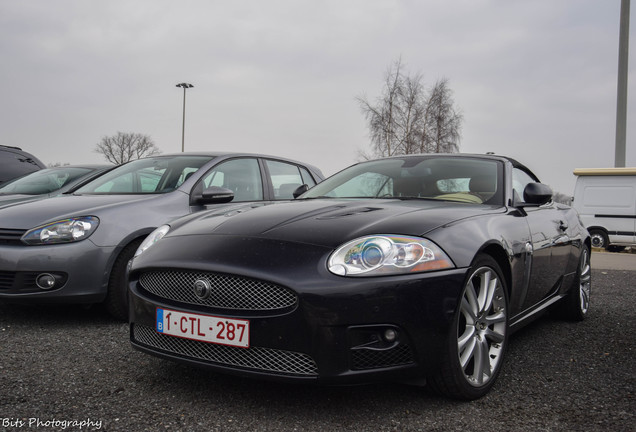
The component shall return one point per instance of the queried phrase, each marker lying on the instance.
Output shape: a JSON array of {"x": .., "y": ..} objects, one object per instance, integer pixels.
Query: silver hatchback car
[{"x": 74, "y": 248}]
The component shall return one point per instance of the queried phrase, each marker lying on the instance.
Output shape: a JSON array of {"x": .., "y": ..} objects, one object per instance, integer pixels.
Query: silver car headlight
[
  {"x": 62, "y": 231},
  {"x": 152, "y": 238},
  {"x": 387, "y": 255}
]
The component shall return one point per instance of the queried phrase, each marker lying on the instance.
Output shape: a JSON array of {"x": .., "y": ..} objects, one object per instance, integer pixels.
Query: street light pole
[
  {"x": 185, "y": 86},
  {"x": 621, "y": 97}
]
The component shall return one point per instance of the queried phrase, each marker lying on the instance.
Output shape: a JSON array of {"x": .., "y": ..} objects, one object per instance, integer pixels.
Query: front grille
[
  {"x": 362, "y": 359},
  {"x": 254, "y": 358},
  {"x": 11, "y": 236},
  {"x": 228, "y": 292}
]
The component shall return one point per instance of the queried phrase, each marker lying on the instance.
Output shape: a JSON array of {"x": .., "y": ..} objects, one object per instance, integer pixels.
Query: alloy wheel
[
  {"x": 585, "y": 280},
  {"x": 482, "y": 326}
]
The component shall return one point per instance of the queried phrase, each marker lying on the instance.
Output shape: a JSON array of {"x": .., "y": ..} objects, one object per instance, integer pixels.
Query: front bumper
[
  {"x": 81, "y": 271},
  {"x": 334, "y": 332}
]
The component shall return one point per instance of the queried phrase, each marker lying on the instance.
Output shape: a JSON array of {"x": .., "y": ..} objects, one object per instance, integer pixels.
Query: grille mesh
[
  {"x": 370, "y": 359},
  {"x": 256, "y": 358},
  {"x": 228, "y": 292}
]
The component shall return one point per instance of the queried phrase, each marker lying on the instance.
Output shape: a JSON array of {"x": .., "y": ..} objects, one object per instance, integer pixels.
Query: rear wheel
[
  {"x": 116, "y": 302},
  {"x": 577, "y": 302},
  {"x": 599, "y": 238},
  {"x": 477, "y": 341}
]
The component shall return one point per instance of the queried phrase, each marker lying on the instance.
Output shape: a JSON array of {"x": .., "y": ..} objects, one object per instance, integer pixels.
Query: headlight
[
  {"x": 62, "y": 231},
  {"x": 152, "y": 238},
  {"x": 387, "y": 254}
]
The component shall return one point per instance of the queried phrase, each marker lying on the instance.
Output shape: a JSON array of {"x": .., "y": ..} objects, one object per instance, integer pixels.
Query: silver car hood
[{"x": 30, "y": 214}]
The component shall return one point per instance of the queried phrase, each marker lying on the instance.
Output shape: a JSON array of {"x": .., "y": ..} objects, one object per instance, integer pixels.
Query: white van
[{"x": 606, "y": 201}]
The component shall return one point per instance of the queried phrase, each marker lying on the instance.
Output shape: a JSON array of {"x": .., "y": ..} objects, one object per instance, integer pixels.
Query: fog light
[
  {"x": 390, "y": 335},
  {"x": 45, "y": 281}
]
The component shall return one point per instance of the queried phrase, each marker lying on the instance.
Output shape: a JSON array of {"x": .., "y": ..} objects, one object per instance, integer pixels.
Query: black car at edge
[{"x": 15, "y": 162}]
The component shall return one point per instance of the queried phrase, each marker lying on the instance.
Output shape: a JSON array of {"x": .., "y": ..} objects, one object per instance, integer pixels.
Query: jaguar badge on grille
[{"x": 202, "y": 288}]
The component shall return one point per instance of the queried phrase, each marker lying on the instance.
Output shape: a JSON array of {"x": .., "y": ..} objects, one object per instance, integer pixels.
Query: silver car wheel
[
  {"x": 481, "y": 327},
  {"x": 585, "y": 280}
]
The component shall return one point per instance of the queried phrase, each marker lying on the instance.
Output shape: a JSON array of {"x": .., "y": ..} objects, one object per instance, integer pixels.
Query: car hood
[
  {"x": 9, "y": 200},
  {"x": 329, "y": 222},
  {"x": 30, "y": 214}
]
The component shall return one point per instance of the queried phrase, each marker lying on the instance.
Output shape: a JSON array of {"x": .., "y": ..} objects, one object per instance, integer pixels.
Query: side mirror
[
  {"x": 216, "y": 195},
  {"x": 300, "y": 190},
  {"x": 537, "y": 193}
]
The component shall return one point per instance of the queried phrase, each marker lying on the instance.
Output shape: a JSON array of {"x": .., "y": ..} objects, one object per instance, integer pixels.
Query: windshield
[
  {"x": 44, "y": 181},
  {"x": 146, "y": 176},
  {"x": 451, "y": 178}
]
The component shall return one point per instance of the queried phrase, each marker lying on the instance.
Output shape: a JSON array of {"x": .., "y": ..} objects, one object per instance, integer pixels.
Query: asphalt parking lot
[{"x": 73, "y": 369}]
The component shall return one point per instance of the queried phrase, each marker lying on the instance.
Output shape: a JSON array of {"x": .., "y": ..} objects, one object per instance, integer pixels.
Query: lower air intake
[{"x": 254, "y": 358}]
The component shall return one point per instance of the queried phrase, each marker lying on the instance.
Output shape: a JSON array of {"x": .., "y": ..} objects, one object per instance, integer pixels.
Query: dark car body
[
  {"x": 74, "y": 248},
  {"x": 15, "y": 162},
  {"x": 48, "y": 182},
  {"x": 312, "y": 302}
]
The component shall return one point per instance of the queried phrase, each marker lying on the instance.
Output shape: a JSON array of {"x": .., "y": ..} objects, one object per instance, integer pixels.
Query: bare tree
[
  {"x": 124, "y": 147},
  {"x": 441, "y": 131},
  {"x": 408, "y": 119}
]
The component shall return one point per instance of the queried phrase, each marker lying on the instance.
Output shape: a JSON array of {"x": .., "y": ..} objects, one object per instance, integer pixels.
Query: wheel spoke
[
  {"x": 585, "y": 271},
  {"x": 496, "y": 318},
  {"x": 482, "y": 362},
  {"x": 468, "y": 334},
  {"x": 585, "y": 266},
  {"x": 468, "y": 311},
  {"x": 487, "y": 366},
  {"x": 494, "y": 336},
  {"x": 467, "y": 353},
  {"x": 492, "y": 289},
  {"x": 584, "y": 294},
  {"x": 585, "y": 279},
  {"x": 471, "y": 298},
  {"x": 584, "y": 300},
  {"x": 484, "y": 288}
]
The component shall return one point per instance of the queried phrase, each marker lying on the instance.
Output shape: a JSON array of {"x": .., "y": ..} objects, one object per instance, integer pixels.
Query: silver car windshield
[
  {"x": 44, "y": 181},
  {"x": 146, "y": 176},
  {"x": 461, "y": 179}
]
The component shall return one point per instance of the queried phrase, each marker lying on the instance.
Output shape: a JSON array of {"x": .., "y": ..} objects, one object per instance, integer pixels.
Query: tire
[
  {"x": 576, "y": 303},
  {"x": 599, "y": 238},
  {"x": 116, "y": 302},
  {"x": 478, "y": 338}
]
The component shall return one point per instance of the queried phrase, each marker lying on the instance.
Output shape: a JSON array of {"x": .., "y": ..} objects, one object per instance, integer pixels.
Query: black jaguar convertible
[{"x": 412, "y": 269}]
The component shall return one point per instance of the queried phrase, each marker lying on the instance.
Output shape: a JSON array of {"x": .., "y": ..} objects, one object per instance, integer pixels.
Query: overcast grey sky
[{"x": 535, "y": 80}]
